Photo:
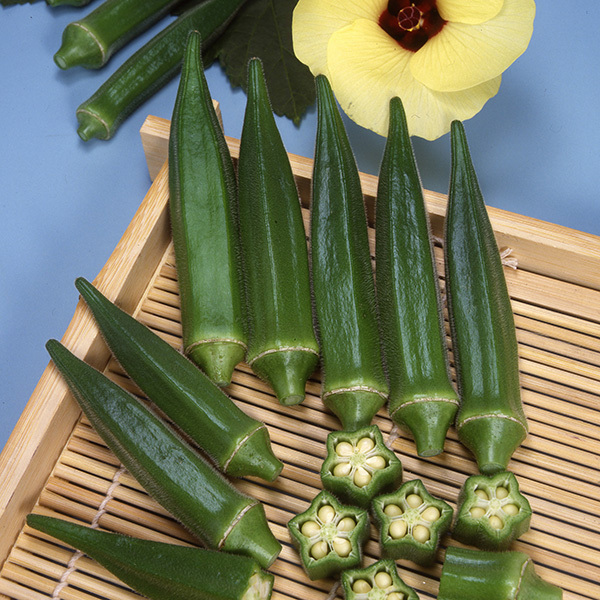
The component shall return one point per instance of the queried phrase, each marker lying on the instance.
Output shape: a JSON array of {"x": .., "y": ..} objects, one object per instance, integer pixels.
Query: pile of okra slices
[{"x": 252, "y": 290}]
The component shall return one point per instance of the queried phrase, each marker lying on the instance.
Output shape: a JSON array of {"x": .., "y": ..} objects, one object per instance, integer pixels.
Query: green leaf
[{"x": 263, "y": 29}]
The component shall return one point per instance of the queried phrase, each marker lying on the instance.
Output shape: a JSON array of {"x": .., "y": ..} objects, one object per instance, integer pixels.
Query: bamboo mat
[{"x": 558, "y": 465}]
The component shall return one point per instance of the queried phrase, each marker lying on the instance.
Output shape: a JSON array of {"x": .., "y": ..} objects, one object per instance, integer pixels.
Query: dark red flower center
[{"x": 411, "y": 24}]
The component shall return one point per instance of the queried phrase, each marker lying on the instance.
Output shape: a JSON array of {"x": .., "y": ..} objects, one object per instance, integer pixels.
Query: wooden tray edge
[{"x": 50, "y": 414}]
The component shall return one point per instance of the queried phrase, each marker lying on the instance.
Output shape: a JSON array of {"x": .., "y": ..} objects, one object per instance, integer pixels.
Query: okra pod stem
[
  {"x": 475, "y": 574},
  {"x": 162, "y": 571},
  {"x": 354, "y": 382},
  {"x": 282, "y": 348},
  {"x": 238, "y": 444},
  {"x": 204, "y": 224},
  {"x": 491, "y": 422},
  {"x": 150, "y": 68},
  {"x": 92, "y": 40},
  {"x": 422, "y": 398},
  {"x": 166, "y": 466}
]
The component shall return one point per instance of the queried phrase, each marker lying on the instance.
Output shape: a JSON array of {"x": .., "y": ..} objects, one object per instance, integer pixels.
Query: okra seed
[
  {"x": 346, "y": 524},
  {"x": 421, "y": 533},
  {"x": 496, "y": 522},
  {"x": 342, "y": 469},
  {"x": 482, "y": 494},
  {"x": 361, "y": 586},
  {"x": 319, "y": 550},
  {"x": 365, "y": 444},
  {"x": 326, "y": 513},
  {"x": 341, "y": 546},
  {"x": 392, "y": 510},
  {"x": 477, "y": 512},
  {"x": 431, "y": 514},
  {"x": 511, "y": 509},
  {"x": 376, "y": 462},
  {"x": 398, "y": 528},
  {"x": 414, "y": 500},
  {"x": 310, "y": 528},
  {"x": 395, "y": 596},
  {"x": 344, "y": 449},
  {"x": 361, "y": 477},
  {"x": 501, "y": 493},
  {"x": 383, "y": 580}
]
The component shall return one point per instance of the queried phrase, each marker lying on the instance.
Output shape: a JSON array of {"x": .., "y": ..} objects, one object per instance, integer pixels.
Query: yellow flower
[{"x": 443, "y": 58}]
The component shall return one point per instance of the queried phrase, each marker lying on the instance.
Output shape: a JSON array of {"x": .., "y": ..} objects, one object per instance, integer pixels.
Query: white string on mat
[
  {"x": 334, "y": 590},
  {"x": 71, "y": 566}
]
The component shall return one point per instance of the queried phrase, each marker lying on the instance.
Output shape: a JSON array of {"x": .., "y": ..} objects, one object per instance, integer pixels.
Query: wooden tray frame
[{"x": 556, "y": 298}]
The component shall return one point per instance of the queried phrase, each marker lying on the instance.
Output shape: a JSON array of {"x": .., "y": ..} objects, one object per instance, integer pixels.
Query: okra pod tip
[
  {"x": 287, "y": 373},
  {"x": 218, "y": 359},
  {"x": 254, "y": 457},
  {"x": 428, "y": 420},
  {"x": 78, "y": 47},
  {"x": 354, "y": 408}
]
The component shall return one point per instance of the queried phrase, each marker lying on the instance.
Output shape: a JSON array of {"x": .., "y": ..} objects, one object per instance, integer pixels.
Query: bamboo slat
[{"x": 56, "y": 464}]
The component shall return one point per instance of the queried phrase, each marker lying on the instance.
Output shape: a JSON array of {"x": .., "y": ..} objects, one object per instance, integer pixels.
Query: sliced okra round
[
  {"x": 411, "y": 522},
  {"x": 329, "y": 536},
  {"x": 492, "y": 512},
  {"x": 359, "y": 466},
  {"x": 380, "y": 581}
]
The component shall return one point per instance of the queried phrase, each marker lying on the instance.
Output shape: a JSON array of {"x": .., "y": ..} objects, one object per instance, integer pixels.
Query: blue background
[{"x": 64, "y": 204}]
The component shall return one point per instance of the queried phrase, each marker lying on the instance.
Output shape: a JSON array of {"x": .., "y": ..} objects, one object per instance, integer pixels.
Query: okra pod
[
  {"x": 77, "y": 3},
  {"x": 378, "y": 581},
  {"x": 411, "y": 523},
  {"x": 492, "y": 512},
  {"x": 354, "y": 383},
  {"x": 422, "y": 398},
  {"x": 150, "y": 68},
  {"x": 91, "y": 41},
  {"x": 282, "y": 348},
  {"x": 166, "y": 466},
  {"x": 359, "y": 466},
  {"x": 490, "y": 422},
  {"x": 238, "y": 444},
  {"x": 329, "y": 536},
  {"x": 162, "y": 571},
  {"x": 475, "y": 574},
  {"x": 204, "y": 224}
]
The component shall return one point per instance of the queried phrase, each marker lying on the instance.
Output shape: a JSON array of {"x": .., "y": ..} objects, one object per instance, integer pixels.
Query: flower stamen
[{"x": 410, "y": 18}]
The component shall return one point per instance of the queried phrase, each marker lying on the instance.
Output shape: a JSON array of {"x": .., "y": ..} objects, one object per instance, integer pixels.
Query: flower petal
[
  {"x": 462, "y": 56},
  {"x": 467, "y": 11},
  {"x": 314, "y": 21},
  {"x": 367, "y": 68}
]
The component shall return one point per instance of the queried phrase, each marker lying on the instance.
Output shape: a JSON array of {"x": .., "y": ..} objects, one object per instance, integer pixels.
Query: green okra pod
[
  {"x": 204, "y": 224},
  {"x": 162, "y": 571},
  {"x": 422, "y": 398},
  {"x": 77, "y": 3},
  {"x": 93, "y": 39},
  {"x": 354, "y": 382},
  {"x": 150, "y": 68},
  {"x": 490, "y": 422},
  {"x": 329, "y": 536},
  {"x": 282, "y": 348},
  {"x": 378, "y": 581},
  {"x": 475, "y": 574},
  {"x": 359, "y": 466},
  {"x": 238, "y": 444},
  {"x": 411, "y": 522},
  {"x": 166, "y": 466},
  {"x": 492, "y": 512}
]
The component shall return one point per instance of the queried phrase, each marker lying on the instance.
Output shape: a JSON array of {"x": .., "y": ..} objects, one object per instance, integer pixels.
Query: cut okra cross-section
[
  {"x": 411, "y": 522},
  {"x": 380, "y": 581},
  {"x": 329, "y": 536},
  {"x": 359, "y": 466},
  {"x": 492, "y": 512}
]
